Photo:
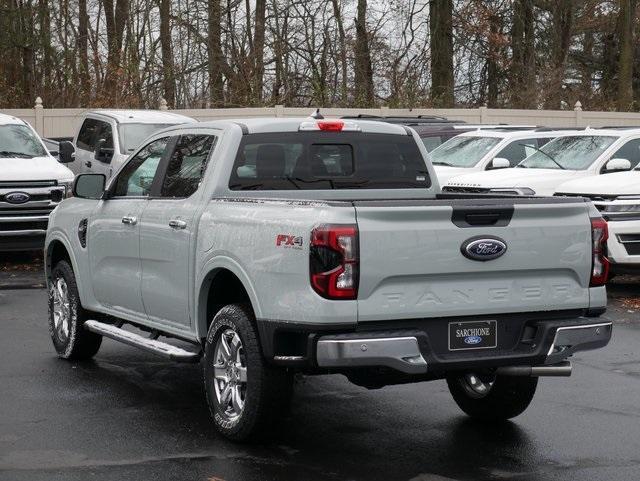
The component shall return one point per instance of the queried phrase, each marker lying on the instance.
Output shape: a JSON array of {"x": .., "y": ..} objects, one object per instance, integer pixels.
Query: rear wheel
[
  {"x": 66, "y": 317},
  {"x": 246, "y": 396},
  {"x": 492, "y": 397}
]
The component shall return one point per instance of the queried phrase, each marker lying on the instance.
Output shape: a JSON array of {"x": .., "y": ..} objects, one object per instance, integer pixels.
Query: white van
[
  {"x": 32, "y": 183},
  {"x": 483, "y": 150},
  {"x": 585, "y": 153},
  {"x": 107, "y": 137}
]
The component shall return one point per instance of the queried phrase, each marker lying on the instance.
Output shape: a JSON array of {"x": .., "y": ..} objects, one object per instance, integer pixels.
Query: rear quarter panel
[{"x": 241, "y": 235}]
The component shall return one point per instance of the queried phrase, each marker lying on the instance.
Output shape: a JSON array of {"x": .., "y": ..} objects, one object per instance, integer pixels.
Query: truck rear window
[{"x": 328, "y": 160}]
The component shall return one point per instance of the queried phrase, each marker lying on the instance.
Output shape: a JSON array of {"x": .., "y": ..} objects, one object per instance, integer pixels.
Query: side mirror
[
  {"x": 499, "y": 163},
  {"x": 616, "y": 165},
  {"x": 66, "y": 152},
  {"x": 103, "y": 154},
  {"x": 89, "y": 186}
]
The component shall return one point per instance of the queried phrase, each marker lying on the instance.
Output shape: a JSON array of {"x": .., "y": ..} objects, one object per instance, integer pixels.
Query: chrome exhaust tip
[{"x": 562, "y": 369}]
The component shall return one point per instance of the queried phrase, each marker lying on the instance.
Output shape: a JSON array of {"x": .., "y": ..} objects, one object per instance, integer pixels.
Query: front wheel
[
  {"x": 67, "y": 316},
  {"x": 246, "y": 396},
  {"x": 492, "y": 397}
]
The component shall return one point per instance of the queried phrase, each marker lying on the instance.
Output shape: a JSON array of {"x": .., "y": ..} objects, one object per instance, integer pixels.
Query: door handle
[
  {"x": 88, "y": 163},
  {"x": 177, "y": 224},
  {"x": 129, "y": 219}
]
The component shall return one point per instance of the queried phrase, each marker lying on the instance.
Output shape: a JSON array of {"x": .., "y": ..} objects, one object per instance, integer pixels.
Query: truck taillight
[
  {"x": 599, "y": 263},
  {"x": 333, "y": 261}
]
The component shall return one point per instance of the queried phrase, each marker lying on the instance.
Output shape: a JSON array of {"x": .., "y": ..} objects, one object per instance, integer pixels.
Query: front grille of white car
[{"x": 33, "y": 214}]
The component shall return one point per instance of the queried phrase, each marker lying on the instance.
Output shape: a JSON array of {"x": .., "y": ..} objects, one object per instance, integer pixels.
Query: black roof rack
[
  {"x": 620, "y": 127},
  {"x": 406, "y": 120}
]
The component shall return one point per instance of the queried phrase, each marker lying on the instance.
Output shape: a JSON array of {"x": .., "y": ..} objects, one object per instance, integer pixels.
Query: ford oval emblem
[
  {"x": 472, "y": 340},
  {"x": 483, "y": 248},
  {"x": 17, "y": 197}
]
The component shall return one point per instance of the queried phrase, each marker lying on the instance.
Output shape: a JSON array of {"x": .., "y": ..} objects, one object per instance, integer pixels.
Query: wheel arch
[
  {"x": 58, "y": 249},
  {"x": 223, "y": 282}
]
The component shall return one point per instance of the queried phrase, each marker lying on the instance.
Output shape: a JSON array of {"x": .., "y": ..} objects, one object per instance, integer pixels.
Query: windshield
[
  {"x": 571, "y": 153},
  {"x": 132, "y": 135},
  {"x": 20, "y": 141},
  {"x": 463, "y": 151}
]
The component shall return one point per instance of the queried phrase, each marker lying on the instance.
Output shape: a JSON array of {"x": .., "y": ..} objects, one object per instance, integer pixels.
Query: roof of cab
[
  {"x": 143, "y": 116},
  {"x": 276, "y": 124},
  {"x": 10, "y": 120}
]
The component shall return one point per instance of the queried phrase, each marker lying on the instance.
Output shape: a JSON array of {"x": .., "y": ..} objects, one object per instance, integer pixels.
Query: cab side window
[
  {"x": 87, "y": 135},
  {"x": 629, "y": 151},
  {"x": 136, "y": 178},
  {"x": 104, "y": 132},
  {"x": 187, "y": 165}
]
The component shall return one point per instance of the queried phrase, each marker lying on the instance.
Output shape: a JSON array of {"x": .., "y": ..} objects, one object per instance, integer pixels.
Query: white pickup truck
[
  {"x": 617, "y": 197},
  {"x": 105, "y": 138},
  {"x": 275, "y": 246},
  {"x": 32, "y": 184}
]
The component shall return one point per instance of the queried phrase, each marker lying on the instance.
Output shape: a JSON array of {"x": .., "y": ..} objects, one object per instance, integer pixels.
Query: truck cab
[
  {"x": 32, "y": 183},
  {"x": 106, "y": 138}
]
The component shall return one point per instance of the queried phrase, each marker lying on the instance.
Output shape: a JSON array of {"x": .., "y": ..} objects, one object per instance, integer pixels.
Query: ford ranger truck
[
  {"x": 269, "y": 247},
  {"x": 32, "y": 183}
]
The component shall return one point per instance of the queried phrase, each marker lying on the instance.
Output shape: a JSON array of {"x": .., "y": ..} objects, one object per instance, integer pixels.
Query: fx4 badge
[{"x": 289, "y": 241}]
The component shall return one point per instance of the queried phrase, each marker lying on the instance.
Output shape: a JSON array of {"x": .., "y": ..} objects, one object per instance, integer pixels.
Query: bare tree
[
  {"x": 523, "y": 77},
  {"x": 441, "y": 29},
  {"x": 626, "y": 27},
  {"x": 362, "y": 68}
]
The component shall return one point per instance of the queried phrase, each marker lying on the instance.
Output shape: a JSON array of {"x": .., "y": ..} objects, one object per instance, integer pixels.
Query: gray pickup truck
[{"x": 274, "y": 246}]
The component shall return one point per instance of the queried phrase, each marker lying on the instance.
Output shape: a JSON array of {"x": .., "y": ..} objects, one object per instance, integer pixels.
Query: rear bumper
[{"x": 419, "y": 351}]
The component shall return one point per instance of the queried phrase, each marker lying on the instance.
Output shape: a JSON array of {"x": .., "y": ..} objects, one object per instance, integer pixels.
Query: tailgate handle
[
  {"x": 479, "y": 216},
  {"x": 482, "y": 219}
]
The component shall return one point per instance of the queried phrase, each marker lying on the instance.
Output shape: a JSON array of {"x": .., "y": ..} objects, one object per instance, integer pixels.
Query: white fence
[{"x": 63, "y": 122}]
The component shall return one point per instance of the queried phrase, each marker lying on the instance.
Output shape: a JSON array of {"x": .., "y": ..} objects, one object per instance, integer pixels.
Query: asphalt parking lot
[{"x": 128, "y": 415}]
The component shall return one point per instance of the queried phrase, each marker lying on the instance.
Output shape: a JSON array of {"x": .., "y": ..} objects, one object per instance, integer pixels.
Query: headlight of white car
[
  {"x": 68, "y": 187},
  {"x": 514, "y": 191}
]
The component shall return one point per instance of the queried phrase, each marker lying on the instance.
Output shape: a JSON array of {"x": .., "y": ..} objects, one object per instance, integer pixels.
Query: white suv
[
  {"x": 585, "y": 153},
  {"x": 32, "y": 184},
  {"x": 482, "y": 150},
  {"x": 617, "y": 197},
  {"x": 107, "y": 137}
]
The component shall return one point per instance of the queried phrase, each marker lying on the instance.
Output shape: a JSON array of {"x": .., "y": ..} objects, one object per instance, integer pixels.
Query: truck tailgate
[{"x": 411, "y": 261}]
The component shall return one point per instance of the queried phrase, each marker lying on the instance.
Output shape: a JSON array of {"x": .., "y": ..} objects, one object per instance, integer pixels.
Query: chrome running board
[{"x": 154, "y": 346}]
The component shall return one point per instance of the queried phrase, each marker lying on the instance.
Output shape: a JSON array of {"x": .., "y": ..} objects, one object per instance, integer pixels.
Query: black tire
[
  {"x": 267, "y": 390},
  {"x": 73, "y": 341},
  {"x": 508, "y": 397}
]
